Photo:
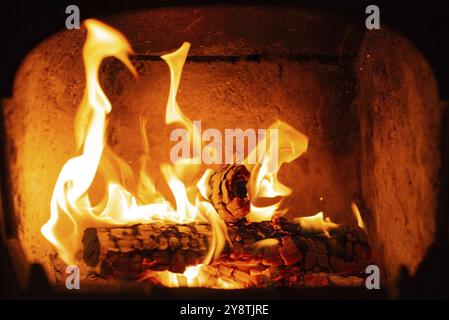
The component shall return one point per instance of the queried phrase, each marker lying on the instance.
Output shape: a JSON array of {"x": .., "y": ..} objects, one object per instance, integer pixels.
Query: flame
[
  {"x": 269, "y": 242},
  {"x": 69, "y": 202},
  {"x": 284, "y": 145},
  {"x": 194, "y": 276},
  {"x": 357, "y": 215},
  {"x": 317, "y": 224},
  {"x": 71, "y": 207},
  {"x": 176, "y": 61}
]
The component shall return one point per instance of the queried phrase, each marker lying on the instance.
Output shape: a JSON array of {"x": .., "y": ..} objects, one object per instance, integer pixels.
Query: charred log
[
  {"x": 281, "y": 248},
  {"x": 228, "y": 193}
]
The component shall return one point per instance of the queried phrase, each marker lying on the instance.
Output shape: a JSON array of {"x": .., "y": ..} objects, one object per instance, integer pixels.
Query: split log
[
  {"x": 127, "y": 252},
  {"x": 227, "y": 192}
]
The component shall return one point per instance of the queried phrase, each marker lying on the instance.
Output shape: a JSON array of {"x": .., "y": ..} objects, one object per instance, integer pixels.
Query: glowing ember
[{"x": 194, "y": 276}]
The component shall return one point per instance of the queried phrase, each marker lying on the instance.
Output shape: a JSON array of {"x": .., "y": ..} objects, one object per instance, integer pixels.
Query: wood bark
[
  {"x": 228, "y": 193},
  {"x": 280, "y": 247}
]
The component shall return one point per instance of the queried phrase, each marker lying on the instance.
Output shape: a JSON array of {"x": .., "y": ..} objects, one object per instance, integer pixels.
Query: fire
[
  {"x": 194, "y": 276},
  {"x": 70, "y": 204},
  {"x": 71, "y": 207},
  {"x": 72, "y": 210},
  {"x": 357, "y": 215},
  {"x": 317, "y": 224},
  {"x": 272, "y": 153}
]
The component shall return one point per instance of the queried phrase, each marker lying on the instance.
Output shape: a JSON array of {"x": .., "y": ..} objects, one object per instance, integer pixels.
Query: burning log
[
  {"x": 280, "y": 248},
  {"x": 227, "y": 192},
  {"x": 125, "y": 252},
  {"x": 264, "y": 253}
]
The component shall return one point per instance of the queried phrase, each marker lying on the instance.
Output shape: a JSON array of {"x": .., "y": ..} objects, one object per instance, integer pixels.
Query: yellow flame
[
  {"x": 69, "y": 200},
  {"x": 173, "y": 114},
  {"x": 284, "y": 145},
  {"x": 317, "y": 224},
  {"x": 357, "y": 215},
  {"x": 269, "y": 242},
  {"x": 146, "y": 189},
  {"x": 71, "y": 207}
]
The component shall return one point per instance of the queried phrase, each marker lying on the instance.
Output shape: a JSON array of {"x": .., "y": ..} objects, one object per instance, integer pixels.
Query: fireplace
[{"x": 359, "y": 174}]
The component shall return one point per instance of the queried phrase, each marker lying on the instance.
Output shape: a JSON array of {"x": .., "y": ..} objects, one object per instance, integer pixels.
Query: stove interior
[{"x": 356, "y": 181}]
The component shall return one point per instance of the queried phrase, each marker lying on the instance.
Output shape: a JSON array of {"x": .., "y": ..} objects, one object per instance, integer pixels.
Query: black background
[{"x": 26, "y": 23}]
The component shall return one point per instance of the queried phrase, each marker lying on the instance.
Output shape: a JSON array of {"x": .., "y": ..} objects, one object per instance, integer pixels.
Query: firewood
[
  {"x": 129, "y": 251},
  {"x": 227, "y": 192},
  {"x": 124, "y": 252}
]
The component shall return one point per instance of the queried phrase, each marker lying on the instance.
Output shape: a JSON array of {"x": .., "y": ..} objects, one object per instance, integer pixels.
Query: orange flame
[{"x": 194, "y": 276}]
